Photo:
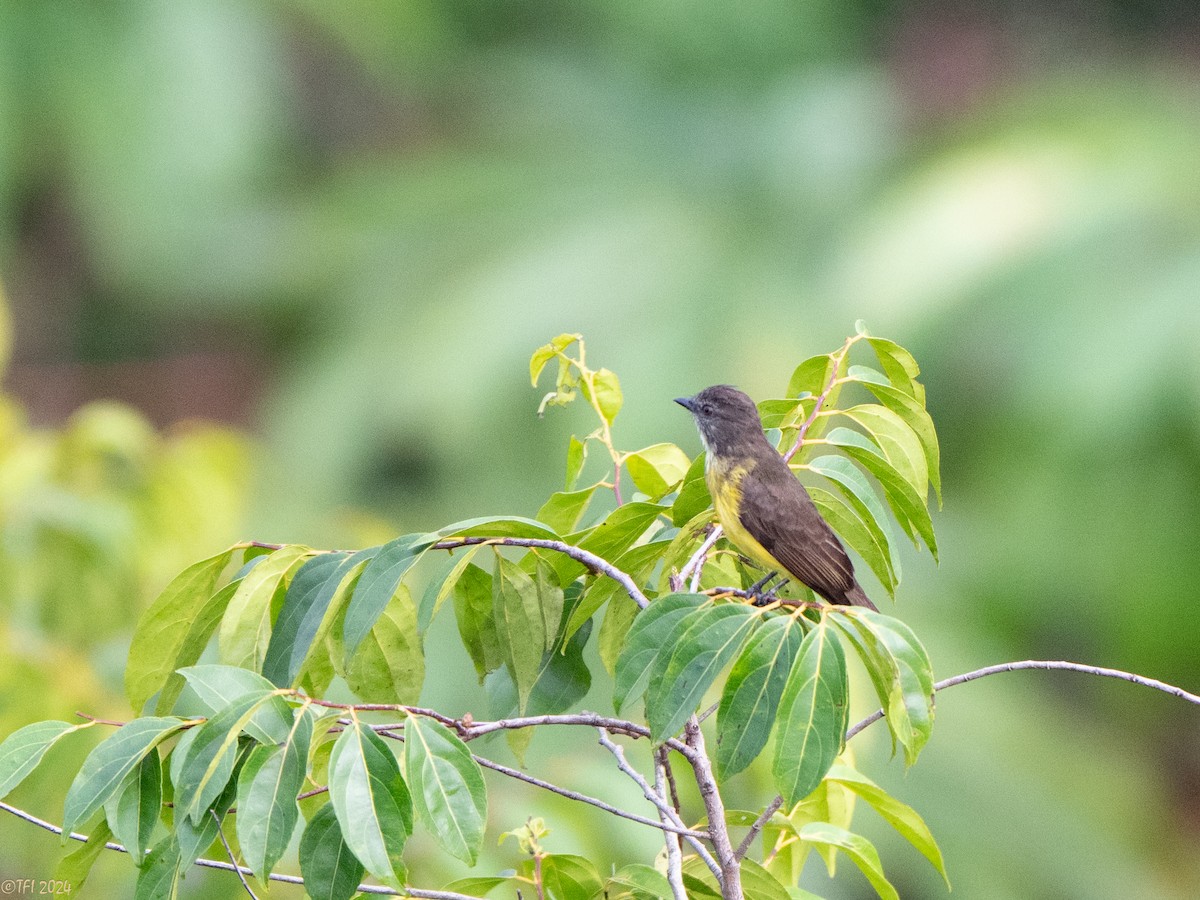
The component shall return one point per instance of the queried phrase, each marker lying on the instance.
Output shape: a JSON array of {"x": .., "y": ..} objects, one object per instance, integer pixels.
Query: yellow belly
[{"x": 724, "y": 484}]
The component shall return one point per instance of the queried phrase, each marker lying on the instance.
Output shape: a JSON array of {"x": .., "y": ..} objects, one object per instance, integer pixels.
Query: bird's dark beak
[{"x": 685, "y": 402}]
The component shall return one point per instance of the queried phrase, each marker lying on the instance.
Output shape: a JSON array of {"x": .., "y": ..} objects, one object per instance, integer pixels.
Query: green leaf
[
  {"x": 266, "y": 796},
  {"x": 658, "y": 468},
  {"x": 693, "y": 497},
  {"x": 165, "y": 637},
  {"x": 159, "y": 877},
  {"x": 606, "y": 388},
  {"x": 899, "y": 443},
  {"x": 378, "y": 584},
  {"x": 914, "y": 414},
  {"x": 576, "y": 457},
  {"x": 700, "y": 645},
  {"x": 812, "y": 715},
  {"x": 899, "y": 815},
  {"x": 441, "y": 585},
  {"x": 24, "y": 748},
  {"x": 564, "y": 509},
  {"x": 520, "y": 628},
  {"x": 74, "y": 867},
  {"x": 499, "y": 527},
  {"x": 476, "y": 625},
  {"x": 547, "y": 352},
  {"x": 110, "y": 762},
  {"x": 645, "y": 639},
  {"x": 858, "y": 848},
  {"x": 869, "y": 542},
  {"x": 331, "y": 871},
  {"x": 478, "y": 886},
  {"x": 899, "y": 366},
  {"x": 753, "y": 691},
  {"x": 216, "y": 687},
  {"x": 614, "y": 629},
  {"x": 133, "y": 811},
  {"x": 566, "y": 877},
  {"x": 811, "y": 376},
  {"x": 906, "y": 504},
  {"x": 637, "y": 562},
  {"x": 901, "y": 672},
  {"x": 389, "y": 666},
  {"x": 637, "y": 882},
  {"x": 757, "y": 882},
  {"x": 304, "y": 607},
  {"x": 372, "y": 802},
  {"x": 619, "y": 531},
  {"x": 447, "y": 787},
  {"x": 208, "y": 765},
  {"x": 854, "y": 487},
  {"x": 246, "y": 626}
]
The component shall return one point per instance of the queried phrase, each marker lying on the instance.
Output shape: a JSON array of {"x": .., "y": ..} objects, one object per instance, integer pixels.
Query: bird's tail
[{"x": 856, "y": 597}]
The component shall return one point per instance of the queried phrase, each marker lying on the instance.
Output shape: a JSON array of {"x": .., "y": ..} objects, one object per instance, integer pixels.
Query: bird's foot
[{"x": 767, "y": 597}]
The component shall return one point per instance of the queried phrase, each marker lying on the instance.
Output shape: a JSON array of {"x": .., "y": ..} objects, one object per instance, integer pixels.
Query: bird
[{"x": 764, "y": 510}]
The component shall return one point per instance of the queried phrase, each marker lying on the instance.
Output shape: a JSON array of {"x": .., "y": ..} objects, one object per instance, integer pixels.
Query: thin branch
[
  {"x": 584, "y": 798},
  {"x": 233, "y": 859},
  {"x": 744, "y": 846},
  {"x": 657, "y": 799},
  {"x": 1043, "y": 664},
  {"x": 591, "y": 560},
  {"x": 420, "y": 893},
  {"x": 674, "y": 856},
  {"x": 730, "y": 874},
  {"x": 692, "y": 567},
  {"x": 665, "y": 758}
]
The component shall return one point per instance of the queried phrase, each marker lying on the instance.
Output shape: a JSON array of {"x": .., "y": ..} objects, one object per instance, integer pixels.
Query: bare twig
[
  {"x": 730, "y": 872},
  {"x": 691, "y": 569},
  {"x": 584, "y": 798},
  {"x": 233, "y": 859},
  {"x": 674, "y": 856},
  {"x": 657, "y": 799},
  {"x": 744, "y": 846},
  {"x": 420, "y": 893},
  {"x": 665, "y": 758},
  {"x": 1042, "y": 664}
]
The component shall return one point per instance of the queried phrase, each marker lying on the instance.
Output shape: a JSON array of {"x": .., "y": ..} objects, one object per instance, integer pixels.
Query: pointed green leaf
[
  {"x": 159, "y": 878},
  {"x": 331, "y": 871},
  {"x": 899, "y": 815},
  {"x": 547, "y": 352},
  {"x": 644, "y": 642},
  {"x": 246, "y": 626},
  {"x": 208, "y": 765},
  {"x": 901, "y": 672},
  {"x": 24, "y": 748},
  {"x": 389, "y": 666},
  {"x": 378, "y": 584},
  {"x": 637, "y": 882},
  {"x": 266, "y": 796},
  {"x": 858, "y": 848},
  {"x": 520, "y": 627},
  {"x": 753, "y": 691},
  {"x": 899, "y": 366},
  {"x": 476, "y": 625},
  {"x": 133, "y": 811},
  {"x": 216, "y": 687},
  {"x": 812, "y": 715},
  {"x": 700, "y": 645},
  {"x": 896, "y": 439},
  {"x": 576, "y": 457},
  {"x": 566, "y": 877},
  {"x": 637, "y": 562},
  {"x": 478, "y": 886},
  {"x": 912, "y": 411},
  {"x": 619, "y": 531},
  {"x": 498, "y": 527},
  {"x": 868, "y": 542},
  {"x": 165, "y": 637},
  {"x": 693, "y": 497},
  {"x": 606, "y": 388},
  {"x": 854, "y": 487},
  {"x": 811, "y": 376},
  {"x": 108, "y": 764},
  {"x": 564, "y": 509},
  {"x": 372, "y": 803},
  {"x": 441, "y": 585},
  {"x": 657, "y": 468},
  {"x": 304, "y": 607},
  {"x": 74, "y": 867},
  {"x": 447, "y": 787}
]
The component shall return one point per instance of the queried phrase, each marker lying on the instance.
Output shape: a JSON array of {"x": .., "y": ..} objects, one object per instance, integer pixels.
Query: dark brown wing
[{"x": 781, "y": 516}]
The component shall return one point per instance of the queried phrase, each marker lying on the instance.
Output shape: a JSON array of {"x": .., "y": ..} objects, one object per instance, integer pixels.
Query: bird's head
[{"x": 725, "y": 416}]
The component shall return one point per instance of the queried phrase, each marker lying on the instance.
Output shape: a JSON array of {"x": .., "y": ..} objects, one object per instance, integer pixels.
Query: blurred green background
[{"x": 335, "y": 232}]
